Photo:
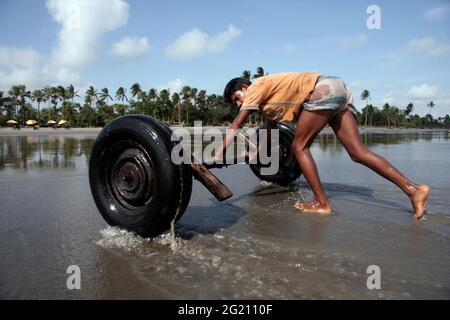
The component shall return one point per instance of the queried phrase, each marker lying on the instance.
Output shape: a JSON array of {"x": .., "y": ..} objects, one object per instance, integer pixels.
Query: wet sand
[{"x": 252, "y": 246}]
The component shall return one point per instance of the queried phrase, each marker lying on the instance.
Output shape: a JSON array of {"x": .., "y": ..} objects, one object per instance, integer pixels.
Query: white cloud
[
  {"x": 423, "y": 91},
  {"x": 173, "y": 86},
  {"x": 196, "y": 43},
  {"x": 361, "y": 85},
  {"x": 83, "y": 23},
  {"x": 20, "y": 66},
  {"x": 394, "y": 98},
  {"x": 130, "y": 47},
  {"x": 354, "y": 42},
  {"x": 393, "y": 85},
  {"x": 437, "y": 13},
  {"x": 420, "y": 96},
  {"x": 429, "y": 47},
  {"x": 290, "y": 48}
]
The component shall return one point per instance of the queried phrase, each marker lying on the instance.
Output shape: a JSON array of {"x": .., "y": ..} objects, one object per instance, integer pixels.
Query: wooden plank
[{"x": 210, "y": 181}]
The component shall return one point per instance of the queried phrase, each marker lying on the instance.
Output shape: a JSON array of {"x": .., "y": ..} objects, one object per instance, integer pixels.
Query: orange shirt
[{"x": 279, "y": 96}]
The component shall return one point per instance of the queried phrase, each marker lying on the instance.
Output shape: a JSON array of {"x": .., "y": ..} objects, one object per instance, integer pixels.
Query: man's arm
[{"x": 237, "y": 123}]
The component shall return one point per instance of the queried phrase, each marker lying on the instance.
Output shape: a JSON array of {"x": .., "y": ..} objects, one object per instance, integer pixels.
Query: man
[{"x": 313, "y": 100}]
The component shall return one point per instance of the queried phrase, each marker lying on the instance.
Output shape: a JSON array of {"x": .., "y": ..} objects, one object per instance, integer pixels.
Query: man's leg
[
  {"x": 345, "y": 127},
  {"x": 308, "y": 126}
]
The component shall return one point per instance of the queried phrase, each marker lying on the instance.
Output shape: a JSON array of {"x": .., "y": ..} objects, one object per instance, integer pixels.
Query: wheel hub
[{"x": 132, "y": 177}]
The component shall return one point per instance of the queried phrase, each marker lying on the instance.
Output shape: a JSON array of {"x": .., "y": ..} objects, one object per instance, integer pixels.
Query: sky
[{"x": 398, "y": 50}]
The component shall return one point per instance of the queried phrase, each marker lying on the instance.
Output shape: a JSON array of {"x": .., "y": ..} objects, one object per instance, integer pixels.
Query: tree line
[
  {"x": 100, "y": 106},
  {"x": 395, "y": 117}
]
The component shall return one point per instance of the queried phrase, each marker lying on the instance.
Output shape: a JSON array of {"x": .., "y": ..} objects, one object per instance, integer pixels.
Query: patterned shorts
[{"x": 330, "y": 93}]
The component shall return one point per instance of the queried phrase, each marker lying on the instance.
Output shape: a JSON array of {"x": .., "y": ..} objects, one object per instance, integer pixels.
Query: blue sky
[{"x": 205, "y": 43}]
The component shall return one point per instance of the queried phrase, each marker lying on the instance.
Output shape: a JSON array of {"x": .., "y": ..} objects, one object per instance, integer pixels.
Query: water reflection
[
  {"x": 26, "y": 152},
  {"x": 30, "y": 152},
  {"x": 329, "y": 142}
]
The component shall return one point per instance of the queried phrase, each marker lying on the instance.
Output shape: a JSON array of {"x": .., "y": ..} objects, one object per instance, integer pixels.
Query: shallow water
[{"x": 252, "y": 246}]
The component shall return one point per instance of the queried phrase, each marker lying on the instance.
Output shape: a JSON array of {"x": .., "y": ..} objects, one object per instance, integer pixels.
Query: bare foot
[
  {"x": 313, "y": 207},
  {"x": 419, "y": 200}
]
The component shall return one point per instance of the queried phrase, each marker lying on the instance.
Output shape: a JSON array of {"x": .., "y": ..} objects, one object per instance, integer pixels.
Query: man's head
[{"x": 236, "y": 90}]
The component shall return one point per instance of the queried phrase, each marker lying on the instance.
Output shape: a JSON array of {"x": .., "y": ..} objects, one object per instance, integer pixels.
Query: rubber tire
[
  {"x": 289, "y": 170},
  {"x": 185, "y": 172},
  {"x": 173, "y": 182}
]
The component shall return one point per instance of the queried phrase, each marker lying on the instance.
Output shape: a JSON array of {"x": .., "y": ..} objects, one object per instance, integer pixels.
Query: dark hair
[{"x": 232, "y": 86}]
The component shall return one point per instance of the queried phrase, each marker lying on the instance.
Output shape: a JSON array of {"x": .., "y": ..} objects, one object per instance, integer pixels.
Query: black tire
[
  {"x": 289, "y": 169},
  {"x": 133, "y": 181},
  {"x": 185, "y": 172}
]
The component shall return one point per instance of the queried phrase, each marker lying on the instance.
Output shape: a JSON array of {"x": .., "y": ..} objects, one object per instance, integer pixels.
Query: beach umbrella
[
  {"x": 51, "y": 122},
  {"x": 61, "y": 122},
  {"x": 31, "y": 122},
  {"x": 11, "y": 121}
]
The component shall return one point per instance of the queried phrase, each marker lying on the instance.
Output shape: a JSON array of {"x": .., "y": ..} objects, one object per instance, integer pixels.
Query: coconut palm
[
  {"x": 1, "y": 103},
  {"x": 38, "y": 96},
  {"x": 135, "y": 89},
  {"x": 104, "y": 95},
  {"x": 365, "y": 95},
  {"x": 91, "y": 97},
  {"x": 387, "y": 112},
  {"x": 246, "y": 75},
  {"x": 71, "y": 92},
  {"x": 47, "y": 91},
  {"x": 176, "y": 104},
  {"x": 409, "y": 108},
  {"x": 186, "y": 96},
  {"x": 14, "y": 93},
  {"x": 259, "y": 73},
  {"x": 152, "y": 95},
  {"x": 18, "y": 94},
  {"x": 166, "y": 104},
  {"x": 430, "y": 105},
  {"x": 121, "y": 95}
]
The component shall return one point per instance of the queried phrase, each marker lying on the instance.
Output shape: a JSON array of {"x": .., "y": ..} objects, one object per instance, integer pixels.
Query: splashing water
[{"x": 116, "y": 238}]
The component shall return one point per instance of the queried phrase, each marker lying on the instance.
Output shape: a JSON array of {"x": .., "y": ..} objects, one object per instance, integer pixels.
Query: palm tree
[
  {"x": 176, "y": 103},
  {"x": 62, "y": 93},
  {"x": 135, "y": 89},
  {"x": 14, "y": 93},
  {"x": 152, "y": 95},
  {"x": 370, "y": 110},
  {"x": 430, "y": 105},
  {"x": 38, "y": 96},
  {"x": 47, "y": 91},
  {"x": 90, "y": 96},
  {"x": 71, "y": 92},
  {"x": 104, "y": 95},
  {"x": 246, "y": 74},
  {"x": 186, "y": 96},
  {"x": 259, "y": 73},
  {"x": 387, "y": 111},
  {"x": 88, "y": 103},
  {"x": 121, "y": 95},
  {"x": 18, "y": 94},
  {"x": 409, "y": 108},
  {"x": 1, "y": 103},
  {"x": 365, "y": 95},
  {"x": 164, "y": 97},
  {"x": 211, "y": 102}
]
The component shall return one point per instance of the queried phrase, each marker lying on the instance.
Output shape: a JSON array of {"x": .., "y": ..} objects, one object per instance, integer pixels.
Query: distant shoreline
[{"x": 7, "y": 131}]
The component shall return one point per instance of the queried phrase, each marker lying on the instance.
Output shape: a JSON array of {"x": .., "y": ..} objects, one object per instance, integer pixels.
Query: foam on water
[{"x": 116, "y": 238}]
